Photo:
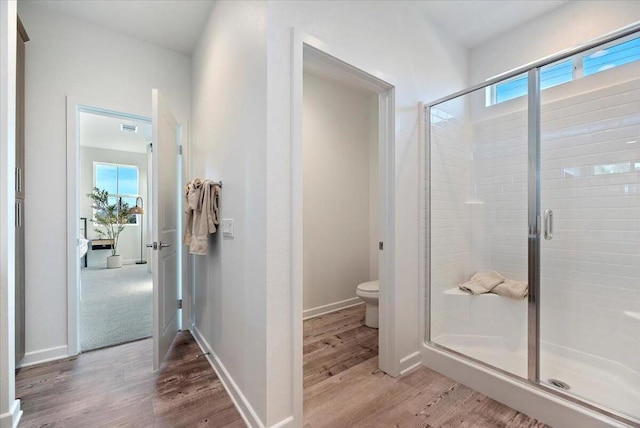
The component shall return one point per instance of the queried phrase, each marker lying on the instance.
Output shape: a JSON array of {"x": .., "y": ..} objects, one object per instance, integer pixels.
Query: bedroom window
[{"x": 121, "y": 181}]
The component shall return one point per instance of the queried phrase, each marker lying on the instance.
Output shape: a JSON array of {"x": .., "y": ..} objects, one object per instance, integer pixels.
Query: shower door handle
[{"x": 548, "y": 224}]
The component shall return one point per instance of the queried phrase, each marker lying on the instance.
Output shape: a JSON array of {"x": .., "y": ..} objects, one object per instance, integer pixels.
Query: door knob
[
  {"x": 163, "y": 245},
  {"x": 153, "y": 245}
]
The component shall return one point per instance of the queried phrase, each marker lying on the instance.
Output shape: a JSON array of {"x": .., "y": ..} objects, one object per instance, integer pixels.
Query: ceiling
[
  {"x": 178, "y": 24},
  {"x": 473, "y": 22},
  {"x": 172, "y": 24},
  {"x": 103, "y": 132}
]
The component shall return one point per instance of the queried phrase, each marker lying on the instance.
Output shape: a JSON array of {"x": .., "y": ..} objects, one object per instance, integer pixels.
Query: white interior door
[{"x": 166, "y": 139}]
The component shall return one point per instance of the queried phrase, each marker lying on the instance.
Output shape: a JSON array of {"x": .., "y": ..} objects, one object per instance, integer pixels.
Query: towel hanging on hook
[{"x": 203, "y": 217}]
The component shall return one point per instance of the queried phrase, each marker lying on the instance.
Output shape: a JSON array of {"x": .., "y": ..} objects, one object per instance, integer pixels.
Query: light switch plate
[{"x": 227, "y": 227}]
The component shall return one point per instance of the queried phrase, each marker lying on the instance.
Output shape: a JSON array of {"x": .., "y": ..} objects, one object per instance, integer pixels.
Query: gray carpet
[{"x": 115, "y": 305}]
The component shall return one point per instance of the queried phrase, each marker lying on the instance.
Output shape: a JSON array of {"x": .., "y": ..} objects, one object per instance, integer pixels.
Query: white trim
[
  {"x": 331, "y": 307},
  {"x": 547, "y": 408},
  {"x": 423, "y": 247},
  {"x": 185, "y": 266},
  {"x": 11, "y": 419},
  {"x": 288, "y": 421},
  {"x": 387, "y": 359},
  {"x": 373, "y": 77},
  {"x": 249, "y": 416},
  {"x": 73, "y": 226},
  {"x": 9, "y": 407},
  {"x": 410, "y": 362},
  {"x": 297, "y": 260},
  {"x": 45, "y": 356}
]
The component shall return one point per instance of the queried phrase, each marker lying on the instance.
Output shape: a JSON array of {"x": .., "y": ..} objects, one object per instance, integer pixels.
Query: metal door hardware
[{"x": 548, "y": 224}]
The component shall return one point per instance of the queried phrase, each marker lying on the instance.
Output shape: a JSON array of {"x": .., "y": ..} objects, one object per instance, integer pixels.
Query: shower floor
[{"x": 590, "y": 378}]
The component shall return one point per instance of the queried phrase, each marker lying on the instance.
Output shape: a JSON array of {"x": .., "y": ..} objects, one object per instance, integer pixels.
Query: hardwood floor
[
  {"x": 344, "y": 388},
  {"x": 115, "y": 387}
]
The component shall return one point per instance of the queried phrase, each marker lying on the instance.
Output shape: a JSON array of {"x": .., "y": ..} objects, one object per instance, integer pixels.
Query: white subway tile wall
[
  {"x": 450, "y": 181},
  {"x": 590, "y": 178},
  {"x": 590, "y": 270}
]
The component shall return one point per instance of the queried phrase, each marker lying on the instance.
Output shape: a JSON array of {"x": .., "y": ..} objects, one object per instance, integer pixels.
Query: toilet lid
[{"x": 369, "y": 286}]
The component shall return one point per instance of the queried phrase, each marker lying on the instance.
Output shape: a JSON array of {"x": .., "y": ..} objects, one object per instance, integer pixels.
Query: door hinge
[
  {"x": 179, "y": 303},
  {"x": 380, "y": 245},
  {"x": 179, "y": 150}
]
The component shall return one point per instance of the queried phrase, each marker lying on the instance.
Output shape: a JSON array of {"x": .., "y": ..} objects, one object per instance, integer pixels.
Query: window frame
[
  {"x": 578, "y": 70},
  {"x": 118, "y": 196}
]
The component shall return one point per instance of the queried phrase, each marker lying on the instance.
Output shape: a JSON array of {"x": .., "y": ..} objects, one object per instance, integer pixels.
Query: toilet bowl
[{"x": 368, "y": 292}]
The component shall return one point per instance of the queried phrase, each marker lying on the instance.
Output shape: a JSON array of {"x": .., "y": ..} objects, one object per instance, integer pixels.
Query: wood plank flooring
[
  {"x": 344, "y": 388},
  {"x": 115, "y": 387}
]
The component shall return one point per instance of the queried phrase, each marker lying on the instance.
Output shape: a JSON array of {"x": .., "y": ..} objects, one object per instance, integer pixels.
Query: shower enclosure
[{"x": 536, "y": 176}]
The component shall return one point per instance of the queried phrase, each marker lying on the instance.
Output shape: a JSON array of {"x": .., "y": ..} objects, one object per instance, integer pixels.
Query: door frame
[
  {"x": 382, "y": 84},
  {"x": 73, "y": 107}
]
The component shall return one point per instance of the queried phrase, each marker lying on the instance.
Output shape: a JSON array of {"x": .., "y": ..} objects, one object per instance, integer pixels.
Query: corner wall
[
  {"x": 399, "y": 42},
  {"x": 98, "y": 67}
]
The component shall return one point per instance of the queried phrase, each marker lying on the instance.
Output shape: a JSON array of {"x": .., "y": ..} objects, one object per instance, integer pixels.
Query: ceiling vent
[{"x": 128, "y": 128}]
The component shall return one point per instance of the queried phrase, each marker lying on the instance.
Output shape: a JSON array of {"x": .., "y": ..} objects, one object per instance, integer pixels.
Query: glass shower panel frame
[
  {"x": 539, "y": 228},
  {"x": 589, "y": 247},
  {"x": 478, "y": 220}
]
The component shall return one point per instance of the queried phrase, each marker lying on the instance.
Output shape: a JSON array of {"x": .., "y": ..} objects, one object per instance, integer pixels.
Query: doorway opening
[
  {"x": 161, "y": 221},
  {"x": 343, "y": 216},
  {"x": 116, "y": 284},
  {"x": 340, "y": 224}
]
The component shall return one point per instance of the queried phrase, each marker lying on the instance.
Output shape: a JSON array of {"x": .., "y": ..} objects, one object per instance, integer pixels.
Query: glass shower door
[
  {"x": 478, "y": 227},
  {"x": 589, "y": 296}
]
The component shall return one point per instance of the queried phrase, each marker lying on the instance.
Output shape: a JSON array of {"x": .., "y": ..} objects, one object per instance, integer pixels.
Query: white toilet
[{"x": 368, "y": 292}]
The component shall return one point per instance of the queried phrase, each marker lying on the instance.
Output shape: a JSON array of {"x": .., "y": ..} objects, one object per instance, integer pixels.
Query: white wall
[
  {"x": 241, "y": 83},
  {"x": 572, "y": 24},
  {"x": 395, "y": 39},
  {"x": 337, "y": 212},
  {"x": 229, "y": 129},
  {"x": 102, "y": 69},
  {"x": 9, "y": 406},
  {"x": 129, "y": 242}
]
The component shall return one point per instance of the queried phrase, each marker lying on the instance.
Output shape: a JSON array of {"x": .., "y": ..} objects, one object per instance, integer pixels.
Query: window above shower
[{"x": 603, "y": 58}]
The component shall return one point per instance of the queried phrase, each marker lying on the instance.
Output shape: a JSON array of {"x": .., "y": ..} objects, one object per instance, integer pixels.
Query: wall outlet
[{"x": 227, "y": 227}]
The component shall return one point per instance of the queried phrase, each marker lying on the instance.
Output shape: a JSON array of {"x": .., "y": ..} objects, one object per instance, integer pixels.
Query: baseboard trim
[
  {"x": 249, "y": 416},
  {"x": 331, "y": 307},
  {"x": 410, "y": 362},
  {"x": 12, "y": 417},
  {"x": 43, "y": 356},
  {"x": 127, "y": 262},
  {"x": 283, "y": 423}
]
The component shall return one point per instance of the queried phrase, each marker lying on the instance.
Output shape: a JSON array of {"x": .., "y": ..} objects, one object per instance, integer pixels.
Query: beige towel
[
  {"x": 482, "y": 282},
  {"x": 201, "y": 207},
  {"x": 192, "y": 193},
  {"x": 512, "y": 289}
]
